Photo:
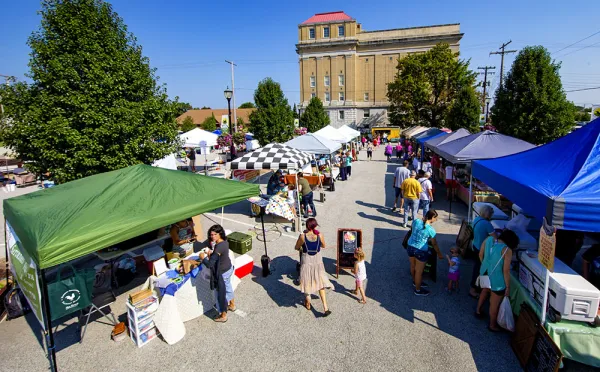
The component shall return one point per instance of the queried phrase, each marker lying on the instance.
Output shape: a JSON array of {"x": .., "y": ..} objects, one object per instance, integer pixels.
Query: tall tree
[
  {"x": 295, "y": 111},
  {"x": 187, "y": 124},
  {"x": 246, "y": 105},
  {"x": 464, "y": 111},
  {"x": 314, "y": 117},
  {"x": 426, "y": 86},
  {"x": 531, "y": 104},
  {"x": 93, "y": 104},
  {"x": 273, "y": 120},
  {"x": 205, "y": 108},
  {"x": 182, "y": 107},
  {"x": 210, "y": 123}
]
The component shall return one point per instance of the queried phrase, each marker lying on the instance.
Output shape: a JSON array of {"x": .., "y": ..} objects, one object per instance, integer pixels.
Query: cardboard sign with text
[
  {"x": 25, "y": 271},
  {"x": 547, "y": 247}
]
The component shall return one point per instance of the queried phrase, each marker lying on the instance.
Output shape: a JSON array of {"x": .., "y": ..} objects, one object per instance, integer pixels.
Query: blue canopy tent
[
  {"x": 559, "y": 180},
  {"x": 427, "y": 135},
  {"x": 445, "y": 138},
  {"x": 218, "y": 131}
]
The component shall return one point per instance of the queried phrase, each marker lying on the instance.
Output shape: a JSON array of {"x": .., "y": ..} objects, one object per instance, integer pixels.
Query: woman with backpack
[
  {"x": 482, "y": 228},
  {"x": 313, "y": 277}
]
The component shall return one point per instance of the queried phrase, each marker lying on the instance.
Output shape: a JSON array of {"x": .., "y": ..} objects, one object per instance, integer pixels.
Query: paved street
[{"x": 394, "y": 331}]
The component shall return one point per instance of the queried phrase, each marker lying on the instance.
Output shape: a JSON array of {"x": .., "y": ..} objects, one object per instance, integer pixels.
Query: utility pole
[
  {"x": 502, "y": 52},
  {"x": 485, "y": 73},
  {"x": 234, "y": 124}
]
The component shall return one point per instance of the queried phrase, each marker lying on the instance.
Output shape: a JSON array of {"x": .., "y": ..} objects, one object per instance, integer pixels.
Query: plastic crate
[{"x": 239, "y": 243}]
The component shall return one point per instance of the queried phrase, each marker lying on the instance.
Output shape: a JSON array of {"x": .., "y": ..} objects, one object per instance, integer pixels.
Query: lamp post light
[
  {"x": 487, "y": 109},
  {"x": 228, "y": 94}
]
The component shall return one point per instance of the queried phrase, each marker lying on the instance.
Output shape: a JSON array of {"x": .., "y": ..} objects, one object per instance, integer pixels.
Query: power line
[
  {"x": 502, "y": 52},
  {"x": 579, "y": 90},
  {"x": 570, "y": 45},
  {"x": 585, "y": 47}
]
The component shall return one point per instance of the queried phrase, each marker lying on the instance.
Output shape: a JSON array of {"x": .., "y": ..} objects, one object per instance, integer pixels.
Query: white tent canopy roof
[
  {"x": 314, "y": 144},
  {"x": 333, "y": 134},
  {"x": 168, "y": 162},
  {"x": 349, "y": 131},
  {"x": 196, "y": 137}
]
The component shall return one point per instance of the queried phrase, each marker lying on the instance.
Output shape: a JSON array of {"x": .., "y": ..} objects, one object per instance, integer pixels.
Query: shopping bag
[
  {"x": 69, "y": 294},
  {"x": 505, "y": 316}
]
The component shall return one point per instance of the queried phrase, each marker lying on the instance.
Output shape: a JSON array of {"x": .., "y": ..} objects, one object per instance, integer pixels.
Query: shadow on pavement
[{"x": 283, "y": 294}]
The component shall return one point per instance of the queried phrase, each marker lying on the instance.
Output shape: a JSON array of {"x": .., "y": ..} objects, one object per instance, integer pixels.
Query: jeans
[
  {"x": 228, "y": 288},
  {"x": 412, "y": 204},
  {"x": 343, "y": 173},
  {"x": 349, "y": 170},
  {"x": 424, "y": 204},
  {"x": 306, "y": 201}
]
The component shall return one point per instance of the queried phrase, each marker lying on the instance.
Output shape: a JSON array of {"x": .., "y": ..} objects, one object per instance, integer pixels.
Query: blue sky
[{"x": 188, "y": 40}]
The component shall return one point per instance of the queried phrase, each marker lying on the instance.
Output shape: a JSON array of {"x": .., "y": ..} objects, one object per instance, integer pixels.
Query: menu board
[
  {"x": 545, "y": 355},
  {"x": 348, "y": 240}
]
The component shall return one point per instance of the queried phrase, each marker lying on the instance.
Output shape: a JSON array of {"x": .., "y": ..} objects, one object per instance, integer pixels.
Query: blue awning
[{"x": 559, "y": 180}]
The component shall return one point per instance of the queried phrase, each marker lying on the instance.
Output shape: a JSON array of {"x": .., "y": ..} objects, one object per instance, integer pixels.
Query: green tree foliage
[
  {"x": 273, "y": 120},
  {"x": 93, "y": 104},
  {"x": 295, "y": 111},
  {"x": 187, "y": 124},
  {"x": 596, "y": 112},
  {"x": 464, "y": 111},
  {"x": 582, "y": 116},
  {"x": 247, "y": 105},
  {"x": 532, "y": 104},
  {"x": 314, "y": 117},
  {"x": 209, "y": 124},
  {"x": 426, "y": 86},
  {"x": 182, "y": 107},
  {"x": 205, "y": 108}
]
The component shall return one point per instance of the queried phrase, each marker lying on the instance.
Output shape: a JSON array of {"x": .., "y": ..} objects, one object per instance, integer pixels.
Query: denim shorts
[{"x": 421, "y": 255}]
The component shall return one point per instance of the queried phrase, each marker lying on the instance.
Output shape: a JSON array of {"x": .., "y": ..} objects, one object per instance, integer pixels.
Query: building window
[
  {"x": 341, "y": 80},
  {"x": 341, "y": 115},
  {"x": 313, "y": 95},
  {"x": 366, "y": 96},
  {"x": 311, "y": 33},
  {"x": 326, "y": 80},
  {"x": 312, "y": 82},
  {"x": 366, "y": 113},
  {"x": 325, "y": 31},
  {"x": 327, "y": 97},
  {"x": 341, "y": 31},
  {"x": 341, "y": 96}
]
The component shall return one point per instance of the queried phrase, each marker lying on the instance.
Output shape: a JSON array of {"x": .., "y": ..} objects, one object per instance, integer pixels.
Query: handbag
[
  {"x": 406, "y": 238},
  {"x": 67, "y": 295},
  {"x": 483, "y": 281}
]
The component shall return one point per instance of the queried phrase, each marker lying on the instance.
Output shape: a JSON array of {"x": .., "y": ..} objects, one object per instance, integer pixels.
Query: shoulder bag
[
  {"x": 407, "y": 237},
  {"x": 483, "y": 281}
]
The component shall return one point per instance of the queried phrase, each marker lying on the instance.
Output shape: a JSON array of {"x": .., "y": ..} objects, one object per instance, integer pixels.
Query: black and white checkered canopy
[{"x": 273, "y": 156}]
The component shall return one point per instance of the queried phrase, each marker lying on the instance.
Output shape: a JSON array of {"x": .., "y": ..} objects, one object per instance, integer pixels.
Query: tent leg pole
[
  {"x": 222, "y": 210},
  {"x": 47, "y": 320},
  {"x": 262, "y": 222},
  {"x": 300, "y": 211},
  {"x": 422, "y": 156},
  {"x": 470, "y": 194}
]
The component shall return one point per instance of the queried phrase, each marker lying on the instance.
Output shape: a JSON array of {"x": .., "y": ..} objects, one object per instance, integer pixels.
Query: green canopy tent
[{"x": 77, "y": 218}]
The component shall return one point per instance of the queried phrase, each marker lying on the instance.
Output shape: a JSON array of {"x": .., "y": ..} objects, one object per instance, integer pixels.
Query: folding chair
[{"x": 99, "y": 302}]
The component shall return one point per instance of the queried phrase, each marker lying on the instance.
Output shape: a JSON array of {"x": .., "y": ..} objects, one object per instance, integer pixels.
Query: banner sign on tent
[
  {"x": 245, "y": 175},
  {"x": 25, "y": 271},
  {"x": 547, "y": 245}
]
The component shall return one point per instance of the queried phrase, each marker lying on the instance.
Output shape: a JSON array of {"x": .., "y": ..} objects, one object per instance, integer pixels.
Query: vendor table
[
  {"x": 478, "y": 196},
  {"x": 577, "y": 341}
]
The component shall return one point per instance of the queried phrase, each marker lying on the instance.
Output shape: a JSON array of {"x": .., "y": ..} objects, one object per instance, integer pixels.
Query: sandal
[
  {"x": 220, "y": 319},
  {"x": 362, "y": 302},
  {"x": 231, "y": 308},
  {"x": 307, "y": 304}
]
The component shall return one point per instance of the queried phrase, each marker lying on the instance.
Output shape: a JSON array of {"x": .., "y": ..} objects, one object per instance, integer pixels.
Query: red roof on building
[{"x": 328, "y": 17}]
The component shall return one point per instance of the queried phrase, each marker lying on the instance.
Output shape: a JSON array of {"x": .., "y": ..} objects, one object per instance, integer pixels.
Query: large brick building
[{"x": 349, "y": 68}]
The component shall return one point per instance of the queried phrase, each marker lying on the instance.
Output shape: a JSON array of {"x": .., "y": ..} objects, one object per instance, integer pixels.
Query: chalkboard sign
[
  {"x": 348, "y": 240},
  {"x": 545, "y": 355}
]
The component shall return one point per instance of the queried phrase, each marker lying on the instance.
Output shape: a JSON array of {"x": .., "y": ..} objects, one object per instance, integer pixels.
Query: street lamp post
[
  {"x": 487, "y": 109},
  {"x": 228, "y": 94}
]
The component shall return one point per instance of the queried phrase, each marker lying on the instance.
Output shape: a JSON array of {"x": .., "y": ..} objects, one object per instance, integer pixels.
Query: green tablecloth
[{"x": 576, "y": 340}]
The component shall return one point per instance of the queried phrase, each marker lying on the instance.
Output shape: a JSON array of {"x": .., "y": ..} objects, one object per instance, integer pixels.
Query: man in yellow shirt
[{"x": 411, "y": 189}]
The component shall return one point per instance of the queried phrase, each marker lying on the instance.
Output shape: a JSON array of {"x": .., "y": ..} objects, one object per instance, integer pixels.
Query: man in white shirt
[
  {"x": 400, "y": 175},
  {"x": 426, "y": 196},
  {"x": 385, "y": 138}
]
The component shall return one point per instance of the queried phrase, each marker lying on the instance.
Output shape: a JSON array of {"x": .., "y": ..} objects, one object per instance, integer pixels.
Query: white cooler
[
  {"x": 570, "y": 295},
  {"x": 498, "y": 214},
  {"x": 534, "y": 224}
]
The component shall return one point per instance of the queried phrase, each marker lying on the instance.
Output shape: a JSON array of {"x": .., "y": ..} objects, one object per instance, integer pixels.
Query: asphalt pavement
[{"x": 272, "y": 331}]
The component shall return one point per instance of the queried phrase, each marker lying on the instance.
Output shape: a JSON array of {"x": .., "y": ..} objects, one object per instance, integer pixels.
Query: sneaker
[
  {"x": 394, "y": 209},
  {"x": 402, "y": 225},
  {"x": 423, "y": 285},
  {"x": 422, "y": 292}
]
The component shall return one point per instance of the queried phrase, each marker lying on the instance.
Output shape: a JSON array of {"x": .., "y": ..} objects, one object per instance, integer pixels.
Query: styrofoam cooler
[
  {"x": 497, "y": 215},
  {"x": 534, "y": 224},
  {"x": 526, "y": 240},
  {"x": 243, "y": 265},
  {"x": 569, "y": 293}
]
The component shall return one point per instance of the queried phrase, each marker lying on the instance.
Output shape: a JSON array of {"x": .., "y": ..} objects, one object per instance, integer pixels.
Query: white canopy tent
[
  {"x": 195, "y": 138},
  {"x": 349, "y": 131},
  {"x": 168, "y": 162},
  {"x": 314, "y": 144},
  {"x": 333, "y": 134}
]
